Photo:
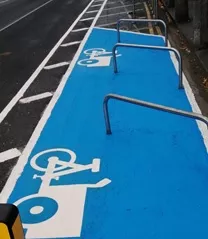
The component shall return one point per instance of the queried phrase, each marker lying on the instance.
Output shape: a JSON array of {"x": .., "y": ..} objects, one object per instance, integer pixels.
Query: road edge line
[
  {"x": 27, "y": 84},
  {"x": 19, "y": 167}
]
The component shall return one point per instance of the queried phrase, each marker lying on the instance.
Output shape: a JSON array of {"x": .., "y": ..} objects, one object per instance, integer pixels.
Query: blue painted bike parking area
[{"x": 148, "y": 179}]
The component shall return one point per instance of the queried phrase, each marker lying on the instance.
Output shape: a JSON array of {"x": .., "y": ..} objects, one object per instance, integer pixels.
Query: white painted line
[
  {"x": 106, "y": 25},
  {"x": 34, "y": 10},
  {"x": 119, "y": 13},
  {"x": 27, "y": 84},
  {"x": 113, "y": 14},
  {"x": 113, "y": 3},
  {"x": 121, "y": 2},
  {"x": 127, "y": 10},
  {"x": 9, "y": 154},
  {"x": 202, "y": 127},
  {"x": 115, "y": 23},
  {"x": 35, "y": 97},
  {"x": 71, "y": 43},
  {"x": 86, "y": 19},
  {"x": 99, "y": 1},
  {"x": 49, "y": 67},
  {"x": 1, "y": 2},
  {"x": 130, "y": 32},
  {"x": 80, "y": 29},
  {"x": 18, "y": 169},
  {"x": 111, "y": 8},
  {"x": 92, "y": 11},
  {"x": 98, "y": 5}
]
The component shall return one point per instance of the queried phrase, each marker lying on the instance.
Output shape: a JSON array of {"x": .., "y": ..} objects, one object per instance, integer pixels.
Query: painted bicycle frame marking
[
  {"x": 62, "y": 199},
  {"x": 98, "y": 57}
]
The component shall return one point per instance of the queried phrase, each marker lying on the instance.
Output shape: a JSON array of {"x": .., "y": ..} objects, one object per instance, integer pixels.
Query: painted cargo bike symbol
[
  {"x": 98, "y": 57},
  {"x": 57, "y": 210}
]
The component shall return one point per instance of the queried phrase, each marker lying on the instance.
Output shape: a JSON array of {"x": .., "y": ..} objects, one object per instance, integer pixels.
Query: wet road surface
[{"x": 29, "y": 68}]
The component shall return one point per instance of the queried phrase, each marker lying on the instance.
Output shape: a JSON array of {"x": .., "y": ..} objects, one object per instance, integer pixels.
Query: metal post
[
  {"x": 146, "y": 21},
  {"x": 134, "y": 9},
  {"x": 156, "y": 9},
  {"x": 147, "y": 105},
  {"x": 160, "y": 48}
]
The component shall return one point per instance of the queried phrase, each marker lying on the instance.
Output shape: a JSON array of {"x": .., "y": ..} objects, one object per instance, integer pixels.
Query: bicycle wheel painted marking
[
  {"x": 98, "y": 57},
  {"x": 146, "y": 180}
]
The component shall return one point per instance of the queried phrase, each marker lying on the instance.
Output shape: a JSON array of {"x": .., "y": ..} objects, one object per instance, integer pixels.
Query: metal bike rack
[
  {"x": 147, "y": 105},
  {"x": 160, "y": 48},
  {"x": 143, "y": 20}
]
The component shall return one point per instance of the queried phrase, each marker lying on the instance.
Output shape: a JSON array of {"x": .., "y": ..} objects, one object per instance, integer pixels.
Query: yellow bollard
[{"x": 10, "y": 222}]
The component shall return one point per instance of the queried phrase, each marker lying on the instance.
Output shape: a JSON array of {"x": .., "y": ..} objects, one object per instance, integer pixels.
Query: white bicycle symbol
[
  {"x": 57, "y": 210},
  {"x": 98, "y": 57}
]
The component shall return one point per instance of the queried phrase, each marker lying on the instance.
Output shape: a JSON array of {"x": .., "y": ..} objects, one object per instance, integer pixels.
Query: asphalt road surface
[
  {"x": 28, "y": 31},
  {"x": 38, "y": 41},
  {"x": 24, "y": 44}
]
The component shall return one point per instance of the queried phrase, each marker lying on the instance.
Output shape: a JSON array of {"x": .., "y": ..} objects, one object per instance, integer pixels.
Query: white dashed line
[
  {"x": 27, "y": 84},
  {"x": 34, "y": 10},
  {"x": 9, "y": 154},
  {"x": 10, "y": 184},
  {"x": 35, "y": 97},
  {"x": 92, "y": 11},
  {"x": 112, "y": 8},
  {"x": 98, "y": 5},
  {"x": 86, "y": 19},
  {"x": 107, "y": 24},
  {"x": 114, "y": 3},
  {"x": 70, "y": 43},
  {"x": 80, "y": 29},
  {"x": 1, "y": 2},
  {"x": 50, "y": 67},
  {"x": 119, "y": 13}
]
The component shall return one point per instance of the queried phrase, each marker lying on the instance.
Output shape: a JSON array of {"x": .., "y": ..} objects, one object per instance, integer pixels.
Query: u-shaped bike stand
[
  {"x": 160, "y": 48},
  {"x": 147, "y": 105},
  {"x": 142, "y": 20}
]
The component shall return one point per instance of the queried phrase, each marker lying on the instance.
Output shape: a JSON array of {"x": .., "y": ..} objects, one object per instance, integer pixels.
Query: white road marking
[
  {"x": 107, "y": 24},
  {"x": 9, "y": 154},
  {"x": 192, "y": 100},
  {"x": 27, "y": 84},
  {"x": 115, "y": 23},
  {"x": 18, "y": 169},
  {"x": 111, "y": 8},
  {"x": 98, "y": 5},
  {"x": 99, "y": 1},
  {"x": 86, "y": 19},
  {"x": 35, "y": 97},
  {"x": 80, "y": 29},
  {"x": 34, "y": 10},
  {"x": 92, "y": 11},
  {"x": 71, "y": 43},
  {"x": 49, "y": 67},
  {"x": 130, "y": 32},
  {"x": 119, "y": 13},
  {"x": 187, "y": 87},
  {"x": 1, "y": 2},
  {"x": 127, "y": 10},
  {"x": 114, "y": 3}
]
